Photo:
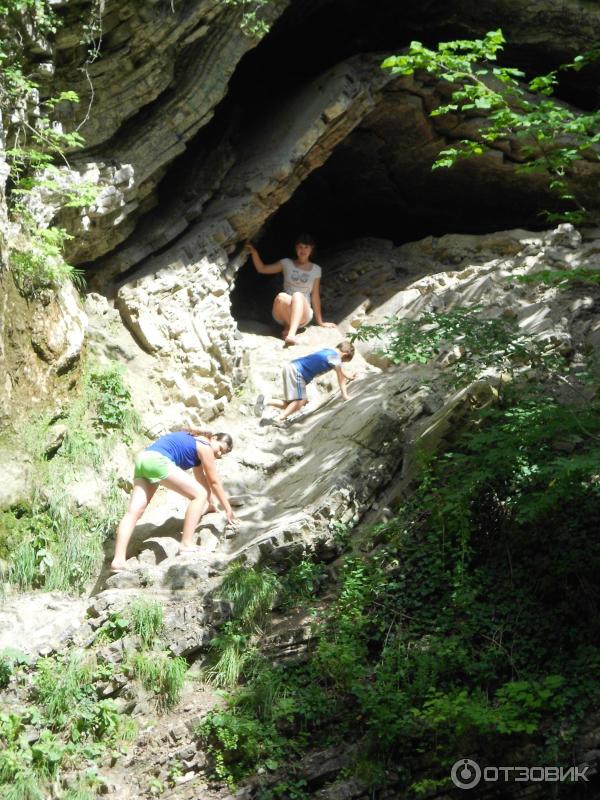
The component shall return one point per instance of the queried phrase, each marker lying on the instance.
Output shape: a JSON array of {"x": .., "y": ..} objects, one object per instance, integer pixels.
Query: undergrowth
[
  {"x": 51, "y": 543},
  {"x": 470, "y": 626},
  {"x": 65, "y": 726}
]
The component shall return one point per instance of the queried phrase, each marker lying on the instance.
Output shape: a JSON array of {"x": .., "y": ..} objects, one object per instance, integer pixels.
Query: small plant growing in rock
[
  {"x": 252, "y": 593},
  {"x": 162, "y": 674},
  {"x": 10, "y": 661},
  {"x": 112, "y": 399},
  {"x": 175, "y": 771},
  {"x": 302, "y": 582},
  {"x": 147, "y": 620},
  {"x": 251, "y": 23},
  {"x": 115, "y": 627},
  {"x": 155, "y": 786},
  {"x": 231, "y": 653}
]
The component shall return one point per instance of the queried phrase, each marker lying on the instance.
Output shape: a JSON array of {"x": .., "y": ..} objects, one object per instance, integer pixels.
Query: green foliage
[
  {"x": 251, "y": 23},
  {"x": 51, "y": 544},
  {"x": 285, "y": 790},
  {"x": 231, "y": 654},
  {"x": 38, "y": 262},
  {"x": 302, "y": 582},
  {"x": 252, "y": 593},
  {"x": 112, "y": 399},
  {"x": 155, "y": 786},
  {"x": 70, "y": 726},
  {"x": 34, "y": 141},
  {"x": 562, "y": 277},
  {"x": 147, "y": 620},
  {"x": 10, "y": 660},
  {"x": 480, "y": 342},
  {"x": 238, "y": 743},
  {"x": 162, "y": 674},
  {"x": 551, "y": 138},
  {"x": 115, "y": 627},
  {"x": 471, "y": 623}
]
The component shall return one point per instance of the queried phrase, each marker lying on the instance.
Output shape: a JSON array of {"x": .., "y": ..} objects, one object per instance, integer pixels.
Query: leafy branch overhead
[{"x": 544, "y": 135}]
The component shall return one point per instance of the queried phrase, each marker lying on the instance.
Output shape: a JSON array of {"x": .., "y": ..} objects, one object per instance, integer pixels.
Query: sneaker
[{"x": 259, "y": 406}]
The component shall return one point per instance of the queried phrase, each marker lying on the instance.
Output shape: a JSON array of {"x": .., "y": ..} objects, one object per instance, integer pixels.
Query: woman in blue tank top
[{"x": 165, "y": 462}]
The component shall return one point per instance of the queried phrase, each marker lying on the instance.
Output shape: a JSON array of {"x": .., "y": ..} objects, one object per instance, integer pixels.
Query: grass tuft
[
  {"x": 162, "y": 674},
  {"x": 252, "y": 593},
  {"x": 147, "y": 620}
]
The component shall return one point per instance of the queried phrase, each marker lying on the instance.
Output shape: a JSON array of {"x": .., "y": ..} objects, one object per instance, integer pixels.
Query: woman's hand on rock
[{"x": 327, "y": 325}]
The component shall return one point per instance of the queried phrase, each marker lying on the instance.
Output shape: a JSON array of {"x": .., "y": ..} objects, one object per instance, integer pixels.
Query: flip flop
[{"x": 114, "y": 570}]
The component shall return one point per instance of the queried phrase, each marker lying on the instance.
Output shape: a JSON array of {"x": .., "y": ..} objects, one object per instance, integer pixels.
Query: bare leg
[
  {"x": 293, "y": 311},
  {"x": 299, "y": 314},
  {"x": 143, "y": 492},
  {"x": 282, "y": 308},
  {"x": 276, "y": 403},
  {"x": 185, "y": 484},
  {"x": 291, "y": 408}
]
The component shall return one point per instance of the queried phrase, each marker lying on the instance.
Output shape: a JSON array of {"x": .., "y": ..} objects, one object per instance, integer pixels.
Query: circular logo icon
[{"x": 465, "y": 773}]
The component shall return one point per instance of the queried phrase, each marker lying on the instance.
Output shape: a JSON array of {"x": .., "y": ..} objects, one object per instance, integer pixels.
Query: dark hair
[
  {"x": 346, "y": 348},
  {"x": 220, "y": 437},
  {"x": 305, "y": 238},
  {"x": 224, "y": 437}
]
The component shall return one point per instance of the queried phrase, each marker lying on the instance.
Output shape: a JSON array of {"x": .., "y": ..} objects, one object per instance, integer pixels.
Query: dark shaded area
[{"x": 313, "y": 35}]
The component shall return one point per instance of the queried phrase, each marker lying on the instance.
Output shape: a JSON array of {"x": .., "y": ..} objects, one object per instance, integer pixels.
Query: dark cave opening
[
  {"x": 373, "y": 184},
  {"x": 370, "y": 188}
]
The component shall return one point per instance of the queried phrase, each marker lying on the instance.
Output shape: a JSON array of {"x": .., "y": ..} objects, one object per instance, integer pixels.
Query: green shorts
[{"x": 152, "y": 466}]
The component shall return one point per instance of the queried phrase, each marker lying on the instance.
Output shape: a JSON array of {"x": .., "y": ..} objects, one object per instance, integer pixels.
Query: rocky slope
[{"x": 339, "y": 463}]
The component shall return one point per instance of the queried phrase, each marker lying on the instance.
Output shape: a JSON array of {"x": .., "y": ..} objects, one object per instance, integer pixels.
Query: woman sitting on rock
[
  {"x": 165, "y": 462},
  {"x": 293, "y": 308}
]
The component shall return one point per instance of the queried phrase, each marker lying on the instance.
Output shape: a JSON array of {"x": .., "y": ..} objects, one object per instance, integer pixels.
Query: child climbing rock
[
  {"x": 301, "y": 371},
  {"x": 165, "y": 462},
  {"x": 293, "y": 308}
]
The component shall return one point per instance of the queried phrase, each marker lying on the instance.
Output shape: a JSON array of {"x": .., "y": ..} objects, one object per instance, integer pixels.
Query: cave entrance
[{"x": 378, "y": 183}]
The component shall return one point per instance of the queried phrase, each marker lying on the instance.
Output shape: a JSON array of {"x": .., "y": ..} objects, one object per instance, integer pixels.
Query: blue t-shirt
[
  {"x": 317, "y": 363},
  {"x": 178, "y": 447}
]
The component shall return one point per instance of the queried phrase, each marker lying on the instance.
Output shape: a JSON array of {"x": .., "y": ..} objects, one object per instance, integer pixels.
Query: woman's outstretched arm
[{"x": 259, "y": 265}]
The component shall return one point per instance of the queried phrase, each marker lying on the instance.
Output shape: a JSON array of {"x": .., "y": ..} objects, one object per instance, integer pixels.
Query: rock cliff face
[{"x": 198, "y": 138}]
